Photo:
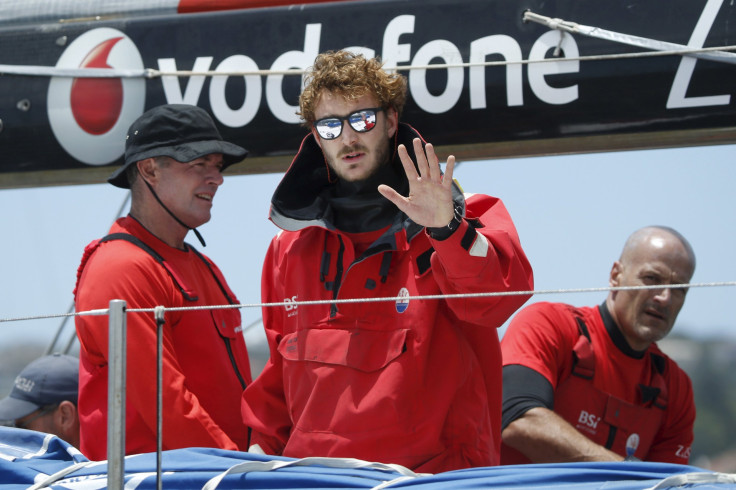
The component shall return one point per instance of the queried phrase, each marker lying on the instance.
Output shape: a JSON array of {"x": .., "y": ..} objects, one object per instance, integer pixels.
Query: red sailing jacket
[
  {"x": 408, "y": 381},
  {"x": 205, "y": 359},
  {"x": 640, "y": 407}
]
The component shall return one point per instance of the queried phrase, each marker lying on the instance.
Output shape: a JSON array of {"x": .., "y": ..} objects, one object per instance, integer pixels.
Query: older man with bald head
[{"x": 590, "y": 383}]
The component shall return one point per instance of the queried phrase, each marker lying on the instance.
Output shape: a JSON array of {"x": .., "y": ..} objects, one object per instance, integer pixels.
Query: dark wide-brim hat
[{"x": 180, "y": 131}]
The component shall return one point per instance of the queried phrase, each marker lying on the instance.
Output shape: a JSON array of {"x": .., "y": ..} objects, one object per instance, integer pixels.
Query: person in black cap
[
  {"x": 174, "y": 158},
  {"x": 44, "y": 398}
]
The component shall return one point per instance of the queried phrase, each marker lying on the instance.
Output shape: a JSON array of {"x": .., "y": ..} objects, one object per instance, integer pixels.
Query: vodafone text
[{"x": 396, "y": 54}]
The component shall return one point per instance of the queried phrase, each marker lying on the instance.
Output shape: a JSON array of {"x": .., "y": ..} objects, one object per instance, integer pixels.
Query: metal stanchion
[
  {"x": 116, "y": 395},
  {"x": 160, "y": 320}
]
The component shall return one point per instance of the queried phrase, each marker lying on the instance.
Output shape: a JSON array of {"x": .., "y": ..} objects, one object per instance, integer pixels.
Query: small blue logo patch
[{"x": 403, "y": 302}]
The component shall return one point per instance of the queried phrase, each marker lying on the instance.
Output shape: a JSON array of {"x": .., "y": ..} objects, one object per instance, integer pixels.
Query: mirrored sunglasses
[{"x": 361, "y": 121}]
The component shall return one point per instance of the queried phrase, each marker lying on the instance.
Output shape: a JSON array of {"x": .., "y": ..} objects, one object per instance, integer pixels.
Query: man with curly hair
[{"x": 367, "y": 213}]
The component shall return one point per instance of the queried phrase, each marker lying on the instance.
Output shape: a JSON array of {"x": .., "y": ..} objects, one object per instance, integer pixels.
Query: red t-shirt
[
  {"x": 201, "y": 389},
  {"x": 542, "y": 336}
]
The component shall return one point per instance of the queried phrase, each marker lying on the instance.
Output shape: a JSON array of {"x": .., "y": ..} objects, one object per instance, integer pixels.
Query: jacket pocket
[
  {"x": 356, "y": 383},
  {"x": 363, "y": 350},
  {"x": 227, "y": 322}
]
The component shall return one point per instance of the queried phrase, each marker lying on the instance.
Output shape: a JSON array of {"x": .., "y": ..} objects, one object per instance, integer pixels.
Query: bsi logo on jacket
[{"x": 291, "y": 308}]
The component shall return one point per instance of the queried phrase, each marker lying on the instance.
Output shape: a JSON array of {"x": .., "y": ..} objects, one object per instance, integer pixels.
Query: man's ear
[
  {"x": 392, "y": 121},
  {"x": 614, "y": 278},
  {"x": 148, "y": 170},
  {"x": 67, "y": 413}
]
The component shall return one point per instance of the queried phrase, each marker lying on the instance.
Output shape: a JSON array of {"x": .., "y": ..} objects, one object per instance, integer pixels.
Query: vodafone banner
[{"x": 483, "y": 83}]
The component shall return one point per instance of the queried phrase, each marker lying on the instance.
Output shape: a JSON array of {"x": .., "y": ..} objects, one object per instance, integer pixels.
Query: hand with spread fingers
[{"x": 429, "y": 203}]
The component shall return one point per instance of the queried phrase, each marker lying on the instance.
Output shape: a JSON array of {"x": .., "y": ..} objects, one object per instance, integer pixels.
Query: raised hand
[{"x": 429, "y": 202}]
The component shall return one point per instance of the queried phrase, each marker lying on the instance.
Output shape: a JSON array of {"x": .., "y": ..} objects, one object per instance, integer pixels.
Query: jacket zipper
[
  {"x": 229, "y": 348},
  {"x": 338, "y": 277}
]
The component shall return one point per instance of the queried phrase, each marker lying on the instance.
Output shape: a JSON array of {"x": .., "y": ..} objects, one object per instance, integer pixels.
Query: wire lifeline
[
  {"x": 151, "y": 73},
  {"x": 683, "y": 51},
  {"x": 489, "y": 294},
  {"x": 439, "y": 296}
]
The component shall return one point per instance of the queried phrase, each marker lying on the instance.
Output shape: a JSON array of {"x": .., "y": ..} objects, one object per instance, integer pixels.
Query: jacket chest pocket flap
[
  {"x": 227, "y": 322},
  {"x": 364, "y": 350}
]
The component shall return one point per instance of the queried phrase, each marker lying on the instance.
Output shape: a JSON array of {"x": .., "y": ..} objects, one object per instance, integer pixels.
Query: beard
[{"x": 378, "y": 158}]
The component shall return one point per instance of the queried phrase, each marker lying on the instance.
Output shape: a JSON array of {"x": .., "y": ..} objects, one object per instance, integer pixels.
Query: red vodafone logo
[
  {"x": 96, "y": 102},
  {"x": 90, "y": 116}
]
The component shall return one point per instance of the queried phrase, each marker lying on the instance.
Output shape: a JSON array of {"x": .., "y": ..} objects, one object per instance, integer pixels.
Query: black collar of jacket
[
  {"x": 302, "y": 197},
  {"x": 617, "y": 337}
]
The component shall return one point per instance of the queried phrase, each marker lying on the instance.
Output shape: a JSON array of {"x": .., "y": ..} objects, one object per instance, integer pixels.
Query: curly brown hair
[{"x": 352, "y": 76}]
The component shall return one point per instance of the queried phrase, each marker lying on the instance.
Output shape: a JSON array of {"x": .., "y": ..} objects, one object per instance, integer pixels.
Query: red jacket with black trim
[
  {"x": 407, "y": 381},
  {"x": 205, "y": 363}
]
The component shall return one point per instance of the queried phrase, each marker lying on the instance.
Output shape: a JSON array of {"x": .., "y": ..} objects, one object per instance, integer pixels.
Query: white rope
[
  {"x": 717, "y": 53},
  {"x": 49, "y": 480},
  {"x": 338, "y": 463},
  {"x": 491, "y": 294},
  {"x": 100, "y": 312},
  {"x": 692, "y": 479},
  {"x": 52, "y": 71},
  {"x": 390, "y": 483}
]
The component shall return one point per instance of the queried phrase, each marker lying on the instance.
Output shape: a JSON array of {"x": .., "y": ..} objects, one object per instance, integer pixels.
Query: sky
[{"x": 573, "y": 214}]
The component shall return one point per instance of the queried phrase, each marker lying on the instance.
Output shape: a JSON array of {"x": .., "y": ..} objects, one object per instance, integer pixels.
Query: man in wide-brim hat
[{"x": 174, "y": 158}]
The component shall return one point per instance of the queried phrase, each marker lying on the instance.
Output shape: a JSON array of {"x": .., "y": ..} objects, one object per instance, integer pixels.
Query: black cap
[
  {"x": 46, "y": 381},
  {"x": 180, "y": 131}
]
